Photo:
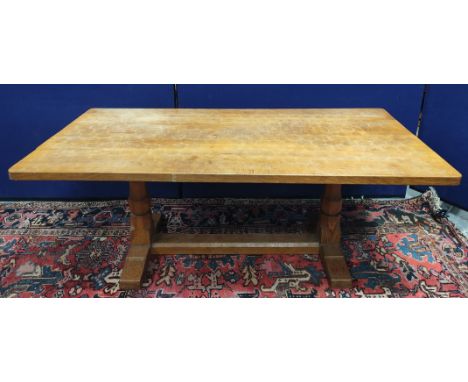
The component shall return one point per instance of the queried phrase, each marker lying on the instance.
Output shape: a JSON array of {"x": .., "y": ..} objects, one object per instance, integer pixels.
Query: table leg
[
  {"x": 330, "y": 238},
  {"x": 141, "y": 231}
]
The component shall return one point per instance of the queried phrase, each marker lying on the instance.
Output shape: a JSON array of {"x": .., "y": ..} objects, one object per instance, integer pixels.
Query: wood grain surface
[
  {"x": 234, "y": 244},
  {"x": 322, "y": 146}
]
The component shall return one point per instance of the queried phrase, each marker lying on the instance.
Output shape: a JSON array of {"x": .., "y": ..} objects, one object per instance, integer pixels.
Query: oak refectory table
[{"x": 308, "y": 146}]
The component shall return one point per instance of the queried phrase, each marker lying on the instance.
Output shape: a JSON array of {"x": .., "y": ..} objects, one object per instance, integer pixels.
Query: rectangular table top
[{"x": 322, "y": 146}]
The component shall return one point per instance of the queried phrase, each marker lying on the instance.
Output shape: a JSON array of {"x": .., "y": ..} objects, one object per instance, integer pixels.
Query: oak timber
[
  {"x": 233, "y": 244},
  {"x": 330, "y": 238},
  {"x": 142, "y": 227},
  {"x": 320, "y": 146}
]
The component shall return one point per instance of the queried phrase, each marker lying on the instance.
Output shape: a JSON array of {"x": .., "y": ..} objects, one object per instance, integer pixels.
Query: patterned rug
[{"x": 399, "y": 248}]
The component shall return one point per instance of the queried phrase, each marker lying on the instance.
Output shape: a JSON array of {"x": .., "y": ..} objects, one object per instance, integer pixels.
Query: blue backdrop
[
  {"x": 444, "y": 128},
  {"x": 29, "y": 114},
  {"x": 402, "y": 101}
]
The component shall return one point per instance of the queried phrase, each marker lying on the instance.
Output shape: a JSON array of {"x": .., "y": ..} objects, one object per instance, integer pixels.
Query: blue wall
[
  {"x": 402, "y": 101},
  {"x": 444, "y": 128},
  {"x": 29, "y": 114}
]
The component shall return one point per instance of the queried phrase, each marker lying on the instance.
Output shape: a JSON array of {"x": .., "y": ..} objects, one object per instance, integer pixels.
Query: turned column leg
[
  {"x": 330, "y": 238},
  {"x": 141, "y": 230}
]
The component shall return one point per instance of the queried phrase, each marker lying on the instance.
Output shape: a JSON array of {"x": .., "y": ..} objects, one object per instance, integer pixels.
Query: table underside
[{"x": 323, "y": 237}]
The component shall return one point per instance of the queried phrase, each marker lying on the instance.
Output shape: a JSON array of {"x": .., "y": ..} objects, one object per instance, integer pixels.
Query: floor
[
  {"x": 394, "y": 248},
  {"x": 456, "y": 215}
]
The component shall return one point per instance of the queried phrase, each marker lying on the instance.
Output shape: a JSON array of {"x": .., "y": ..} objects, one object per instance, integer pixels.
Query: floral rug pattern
[{"x": 398, "y": 248}]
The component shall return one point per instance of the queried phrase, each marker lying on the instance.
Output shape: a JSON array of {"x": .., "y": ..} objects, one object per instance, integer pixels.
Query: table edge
[{"x": 450, "y": 180}]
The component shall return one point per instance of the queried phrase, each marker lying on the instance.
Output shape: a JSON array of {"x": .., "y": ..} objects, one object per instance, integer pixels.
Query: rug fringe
[
  {"x": 435, "y": 204},
  {"x": 432, "y": 199}
]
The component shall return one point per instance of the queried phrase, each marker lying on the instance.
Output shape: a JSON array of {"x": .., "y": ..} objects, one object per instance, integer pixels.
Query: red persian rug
[{"x": 402, "y": 248}]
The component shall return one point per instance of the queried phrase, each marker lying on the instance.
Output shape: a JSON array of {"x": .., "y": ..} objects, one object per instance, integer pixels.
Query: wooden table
[{"x": 308, "y": 146}]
